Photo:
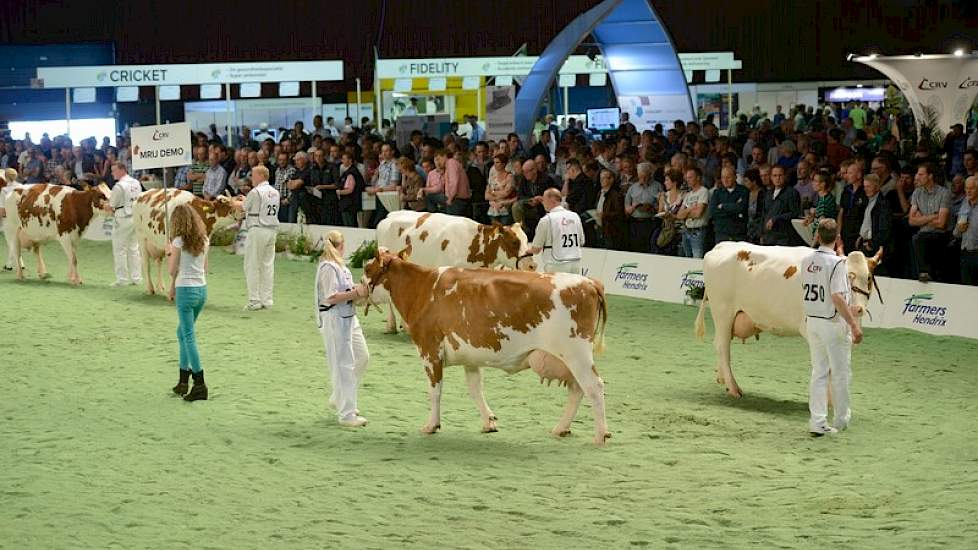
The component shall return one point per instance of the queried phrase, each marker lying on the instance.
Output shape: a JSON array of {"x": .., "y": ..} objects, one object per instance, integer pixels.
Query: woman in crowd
[
  {"x": 188, "y": 287},
  {"x": 411, "y": 183},
  {"x": 241, "y": 171},
  {"x": 346, "y": 348},
  {"x": 665, "y": 239},
  {"x": 501, "y": 191},
  {"x": 755, "y": 205},
  {"x": 611, "y": 206},
  {"x": 825, "y": 205}
]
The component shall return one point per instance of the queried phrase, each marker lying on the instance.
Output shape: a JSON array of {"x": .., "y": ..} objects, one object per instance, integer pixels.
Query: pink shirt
[
  {"x": 456, "y": 181},
  {"x": 435, "y": 183}
]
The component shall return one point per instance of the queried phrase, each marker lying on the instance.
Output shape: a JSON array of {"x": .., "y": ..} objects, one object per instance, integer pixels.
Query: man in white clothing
[
  {"x": 561, "y": 234},
  {"x": 8, "y": 182},
  {"x": 125, "y": 248},
  {"x": 261, "y": 221},
  {"x": 831, "y": 329}
]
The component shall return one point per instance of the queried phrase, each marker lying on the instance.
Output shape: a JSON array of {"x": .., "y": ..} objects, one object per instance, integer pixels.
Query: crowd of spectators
[{"x": 675, "y": 191}]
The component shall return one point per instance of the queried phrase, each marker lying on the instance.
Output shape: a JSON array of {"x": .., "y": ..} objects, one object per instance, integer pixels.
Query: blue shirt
[{"x": 969, "y": 215}]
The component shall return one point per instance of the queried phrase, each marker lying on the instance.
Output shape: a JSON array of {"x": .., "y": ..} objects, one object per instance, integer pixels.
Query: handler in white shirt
[
  {"x": 831, "y": 328},
  {"x": 261, "y": 221},
  {"x": 561, "y": 234},
  {"x": 125, "y": 249},
  {"x": 8, "y": 182}
]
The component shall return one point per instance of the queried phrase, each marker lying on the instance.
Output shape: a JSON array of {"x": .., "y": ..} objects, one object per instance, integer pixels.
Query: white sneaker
[
  {"x": 118, "y": 284},
  {"x": 266, "y": 306},
  {"x": 136, "y": 282},
  {"x": 252, "y": 306},
  {"x": 819, "y": 431},
  {"x": 353, "y": 422}
]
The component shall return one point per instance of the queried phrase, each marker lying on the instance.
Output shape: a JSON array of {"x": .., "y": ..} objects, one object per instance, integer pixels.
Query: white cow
[
  {"x": 511, "y": 320},
  {"x": 39, "y": 212},
  {"x": 148, "y": 220},
  {"x": 437, "y": 240},
  {"x": 752, "y": 289}
]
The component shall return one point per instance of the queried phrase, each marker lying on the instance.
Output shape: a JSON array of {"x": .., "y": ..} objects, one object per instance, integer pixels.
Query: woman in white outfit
[{"x": 346, "y": 348}]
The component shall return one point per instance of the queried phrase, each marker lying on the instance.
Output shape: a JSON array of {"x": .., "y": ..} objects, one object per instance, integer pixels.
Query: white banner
[
  {"x": 500, "y": 111},
  {"x": 205, "y": 73},
  {"x": 945, "y": 85},
  {"x": 161, "y": 146},
  {"x": 647, "y": 111}
]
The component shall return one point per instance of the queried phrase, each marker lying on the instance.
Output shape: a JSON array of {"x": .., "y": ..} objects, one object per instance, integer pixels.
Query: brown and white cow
[
  {"x": 148, "y": 220},
  {"x": 40, "y": 212},
  {"x": 441, "y": 240},
  {"x": 752, "y": 289},
  {"x": 511, "y": 320}
]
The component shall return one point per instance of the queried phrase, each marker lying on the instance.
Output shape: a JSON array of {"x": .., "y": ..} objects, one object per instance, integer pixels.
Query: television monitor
[
  {"x": 604, "y": 119},
  {"x": 127, "y": 93}
]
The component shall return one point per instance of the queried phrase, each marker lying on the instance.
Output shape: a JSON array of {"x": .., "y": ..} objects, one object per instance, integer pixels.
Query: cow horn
[{"x": 875, "y": 260}]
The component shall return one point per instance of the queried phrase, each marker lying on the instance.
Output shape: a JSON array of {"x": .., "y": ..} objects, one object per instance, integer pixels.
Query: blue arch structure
[{"x": 638, "y": 53}]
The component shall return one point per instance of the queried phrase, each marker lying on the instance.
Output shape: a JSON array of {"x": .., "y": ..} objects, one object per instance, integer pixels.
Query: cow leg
[
  {"x": 18, "y": 250},
  {"x": 434, "y": 371},
  {"x": 144, "y": 267},
  {"x": 159, "y": 275},
  {"x": 391, "y": 327},
  {"x": 723, "y": 324},
  {"x": 581, "y": 365},
  {"x": 574, "y": 395},
  {"x": 42, "y": 270},
  {"x": 73, "y": 277},
  {"x": 473, "y": 376}
]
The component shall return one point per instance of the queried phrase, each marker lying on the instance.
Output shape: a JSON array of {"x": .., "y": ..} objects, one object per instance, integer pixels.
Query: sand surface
[{"x": 95, "y": 453}]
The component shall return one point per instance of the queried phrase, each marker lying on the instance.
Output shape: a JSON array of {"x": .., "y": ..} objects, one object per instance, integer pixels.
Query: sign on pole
[{"x": 161, "y": 146}]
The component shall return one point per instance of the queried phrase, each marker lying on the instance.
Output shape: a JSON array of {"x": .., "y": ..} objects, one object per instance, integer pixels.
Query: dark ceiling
[{"x": 778, "y": 40}]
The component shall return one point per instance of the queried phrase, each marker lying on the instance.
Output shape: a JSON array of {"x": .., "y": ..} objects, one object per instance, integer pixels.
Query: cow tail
[
  {"x": 602, "y": 322},
  {"x": 700, "y": 326}
]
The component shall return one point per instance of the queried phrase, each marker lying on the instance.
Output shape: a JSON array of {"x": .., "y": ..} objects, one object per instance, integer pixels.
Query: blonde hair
[
  {"x": 10, "y": 175},
  {"x": 331, "y": 253},
  {"x": 186, "y": 224}
]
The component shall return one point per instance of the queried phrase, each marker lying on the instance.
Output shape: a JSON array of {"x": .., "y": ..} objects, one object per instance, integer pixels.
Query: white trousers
[
  {"x": 563, "y": 267},
  {"x": 347, "y": 356},
  {"x": 125, "y": 251},
  {"x": 830, "y": 344},
  {"x": 259, "y": 264}
]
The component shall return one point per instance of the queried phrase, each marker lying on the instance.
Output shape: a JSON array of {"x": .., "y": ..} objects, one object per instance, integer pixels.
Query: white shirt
[
  {"x": 866, "y": 229},
  {"x": 192, "y": 272},
  {"x": 332, "y": 278},
  {"x": 823, "y": 274},
  {"x": 562, "y": 233},
  {"x": 261, "y": 206},
  {"x": 124, "y": 194}
]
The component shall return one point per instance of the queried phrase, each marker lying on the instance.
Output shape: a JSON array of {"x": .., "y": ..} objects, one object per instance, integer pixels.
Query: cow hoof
[
  {"x": 490, "y": 428},
  {"x": 43, "y": 276},
  {"x": 561, "y": 433},
  {"x": 600, "y": 440},
  {"x": 428, "y": 429},
  {"x": 390, "y": 331},
  {"x": 735, "y": 393}
]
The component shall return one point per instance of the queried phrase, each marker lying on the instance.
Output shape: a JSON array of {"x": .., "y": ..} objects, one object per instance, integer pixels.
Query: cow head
[
  {"x": 375, "y": 274},
  {"x": 514, "y": 249},
  {"x": 99, "y": 197},
  {"x": 862, "y": 280},
  {"x": 218, "y": 213}
]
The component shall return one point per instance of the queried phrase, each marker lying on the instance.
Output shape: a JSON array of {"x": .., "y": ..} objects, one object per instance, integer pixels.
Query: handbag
[{"x": 666, "y": 235}]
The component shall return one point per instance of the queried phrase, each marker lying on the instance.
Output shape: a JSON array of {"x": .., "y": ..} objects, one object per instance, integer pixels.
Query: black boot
[
  {"x": 181, "y": 387},
  {"x": 199, "y": 391}
]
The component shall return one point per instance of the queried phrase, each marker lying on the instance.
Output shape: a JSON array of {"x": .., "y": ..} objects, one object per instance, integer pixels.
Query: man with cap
[{"x": 559, "y": 236}]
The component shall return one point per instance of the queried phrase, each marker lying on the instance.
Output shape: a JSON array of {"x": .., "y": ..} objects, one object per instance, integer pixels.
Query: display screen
[{"x": 603, "y": 119}]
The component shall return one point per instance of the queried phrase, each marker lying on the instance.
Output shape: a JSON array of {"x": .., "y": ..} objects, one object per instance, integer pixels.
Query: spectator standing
[
  {"x": 500, "y": 191},
  {"x": 215, "y": 178},
  {"x": 852, "y": 206},
  {"x": 640, "y": 207},
  {"x": 670, "y": 203},
  {"x": 351, "y": 192},
  {"x": 411, "y": 185},
  {"x": 967, "y": 230},
  {"x": 695, "y": 215},
  {"x": 781, "y": 205},
  {"x": 930, "y": 207},
  {"x": 198, "y": 171},
  {"x": 298, "y": 186},
  {"x": 611, "y": 210},
  {"x": 728, "y": 208},
  {"x": 323, "y": 177},
  {"x": 284, "y": 173},
  {"x": 755, "y": 205},
  {"x": 874, "y": 232},
  {"x": 386, "y": 178}
]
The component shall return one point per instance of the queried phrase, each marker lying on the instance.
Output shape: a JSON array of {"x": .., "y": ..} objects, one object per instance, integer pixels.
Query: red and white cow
[
  {"x": 752, "y": 289},
  {"x": 511, "y": 320},
  {"x": 39, "y": 212},
  {"x": 148, "y": 219},
  {"x": 441, "y": 240}
]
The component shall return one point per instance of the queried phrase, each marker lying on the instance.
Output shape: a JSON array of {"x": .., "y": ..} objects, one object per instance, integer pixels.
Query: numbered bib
[{"x": 565, "y": 229}]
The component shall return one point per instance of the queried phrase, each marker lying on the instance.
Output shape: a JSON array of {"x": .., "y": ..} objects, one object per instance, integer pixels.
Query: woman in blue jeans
[{"x": 188, "y": 286}]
